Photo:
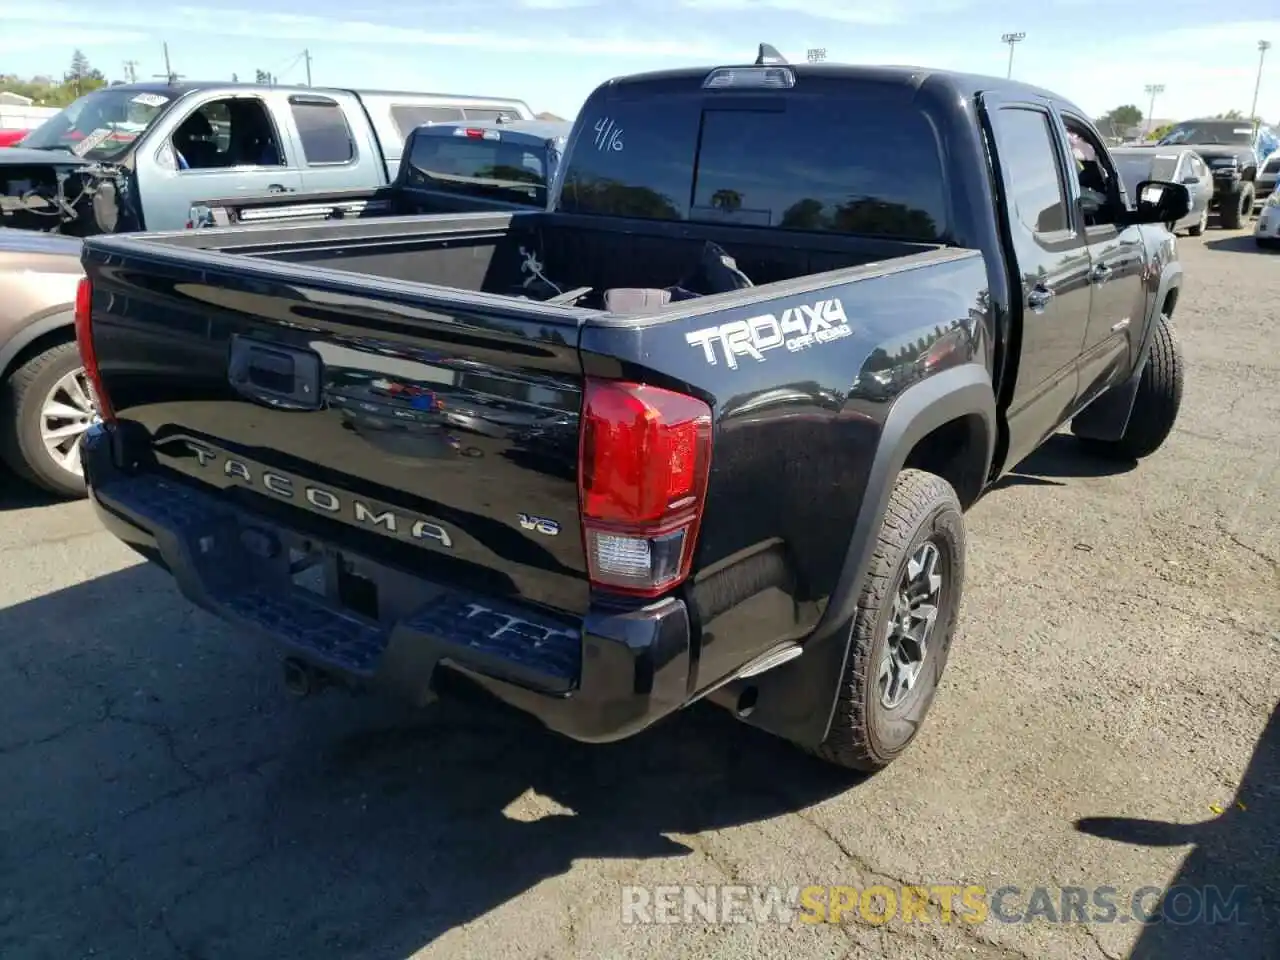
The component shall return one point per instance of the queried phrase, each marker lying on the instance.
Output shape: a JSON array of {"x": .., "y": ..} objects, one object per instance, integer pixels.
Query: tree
[
  {"x": 264, "y": 78},
  {"x": 1160, "y": 132},
  {"x": 1122, "y": 118},
  {"x": 1230, "y": 115},
  {"x": 82, "y": 77}
]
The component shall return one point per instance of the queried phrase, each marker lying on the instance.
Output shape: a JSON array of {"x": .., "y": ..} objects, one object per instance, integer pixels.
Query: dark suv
[{"x": 1233, "y": 149}]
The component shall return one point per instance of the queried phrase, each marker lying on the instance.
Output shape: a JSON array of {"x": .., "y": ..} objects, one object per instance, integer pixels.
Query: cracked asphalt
[{"x": 1109, "y": 717}]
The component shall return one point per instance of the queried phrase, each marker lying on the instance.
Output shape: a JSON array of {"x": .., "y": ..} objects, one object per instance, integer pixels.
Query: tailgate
[{"x": 440, "y": 441}]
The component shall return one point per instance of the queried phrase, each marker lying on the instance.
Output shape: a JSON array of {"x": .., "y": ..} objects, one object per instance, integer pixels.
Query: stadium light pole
[
  {"x": 1153, "y": 89},
  {"x": 1011, "y": 39},
  {"x": 1263, "y": 47}
]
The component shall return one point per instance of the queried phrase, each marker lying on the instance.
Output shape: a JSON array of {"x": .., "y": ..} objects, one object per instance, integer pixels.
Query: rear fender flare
[
  {"x": 45, "y": 322},
  {"x": 797, "y": 700}
]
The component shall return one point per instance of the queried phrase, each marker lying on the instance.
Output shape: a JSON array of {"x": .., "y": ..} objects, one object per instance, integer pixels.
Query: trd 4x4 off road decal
[{"x": 796, "y": 329}]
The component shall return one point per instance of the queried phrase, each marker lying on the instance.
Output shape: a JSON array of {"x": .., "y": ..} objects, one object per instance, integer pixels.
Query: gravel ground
[{"x": 1109, "y": 718}]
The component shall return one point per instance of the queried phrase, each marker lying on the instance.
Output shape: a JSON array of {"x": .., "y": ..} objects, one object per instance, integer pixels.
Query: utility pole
[
  {"x": 131, "y": 70},
  {"x": 1263, "y": 47},
  {"x": 307, "y": 55},
  {"x": 1011, "y": 39},
  {"x": 1152, "y": 89},
  {"x": 168, "y": 74}
]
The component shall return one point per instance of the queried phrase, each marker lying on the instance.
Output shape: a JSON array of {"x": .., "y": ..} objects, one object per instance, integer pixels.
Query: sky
[{"x": 552, "y": 53}]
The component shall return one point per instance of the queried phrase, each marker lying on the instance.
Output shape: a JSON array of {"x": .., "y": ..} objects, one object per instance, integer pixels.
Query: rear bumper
[{"x": 603, "y": 677}]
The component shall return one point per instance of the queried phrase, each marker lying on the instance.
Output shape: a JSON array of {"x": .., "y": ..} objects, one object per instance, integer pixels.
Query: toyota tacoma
[{"x": 705, "y": 428}]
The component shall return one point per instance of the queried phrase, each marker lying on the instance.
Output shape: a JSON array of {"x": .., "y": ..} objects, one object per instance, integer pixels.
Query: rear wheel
[
  {"x": 46, "y": 405},
  {"x": 903, "y": 626},
  {"x": 1156, "y": 405}
]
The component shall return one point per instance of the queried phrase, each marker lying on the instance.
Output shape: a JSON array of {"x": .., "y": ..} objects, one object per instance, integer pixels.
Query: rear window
[
  {"x": 1136, "y": 168},
  {"x": 860, "y": 165},
  {"x": 471, "y": 166},
  {"x": 407, "y": 116},
  {"x": 474, "y": 114}
]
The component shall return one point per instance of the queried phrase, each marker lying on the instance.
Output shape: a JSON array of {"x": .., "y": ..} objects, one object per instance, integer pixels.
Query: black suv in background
[{"x": 1233, "y": 149}]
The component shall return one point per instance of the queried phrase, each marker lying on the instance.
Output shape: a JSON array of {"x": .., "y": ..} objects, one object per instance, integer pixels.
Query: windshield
[
  {"x": 1211, "y": 131},
  {"x": 1135, "y": 169},
  {"x": 100, "y": 125},
  {"x": 480, "y": 165}
]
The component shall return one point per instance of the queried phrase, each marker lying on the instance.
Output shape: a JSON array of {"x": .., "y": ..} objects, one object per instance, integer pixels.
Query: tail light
[
  {"x": 644, "y": 457},
  {"x": 88, "y": 356}
]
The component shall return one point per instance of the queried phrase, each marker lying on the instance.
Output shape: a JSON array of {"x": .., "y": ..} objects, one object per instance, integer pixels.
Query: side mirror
[{"x": 1160, "y": 201}]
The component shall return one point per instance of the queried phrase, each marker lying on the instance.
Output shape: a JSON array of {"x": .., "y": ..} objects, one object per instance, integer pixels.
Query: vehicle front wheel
[
  {"x": 45, "y": 406},
  {"x": 903, "y": 626},
  {"x": 1156, "y": 404},
  {"x": 1237, "y": 207}
]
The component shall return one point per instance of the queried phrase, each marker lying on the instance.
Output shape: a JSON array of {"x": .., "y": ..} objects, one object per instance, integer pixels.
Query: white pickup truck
[{"x": 134, "y": 157}]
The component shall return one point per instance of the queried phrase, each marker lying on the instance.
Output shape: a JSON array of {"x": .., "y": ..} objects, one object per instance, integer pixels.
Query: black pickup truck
[
  {"x": 445, "y": 168},
  {"x": 706, "y": 428}
]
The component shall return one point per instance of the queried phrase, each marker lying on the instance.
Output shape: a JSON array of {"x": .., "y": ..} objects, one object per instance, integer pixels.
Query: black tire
[
  {"x": 21, "y": 400},
  {"x": 866, "y": 734},
  {"x": 1155, "y": 408},
  {"x": 1237, "y": 206}
]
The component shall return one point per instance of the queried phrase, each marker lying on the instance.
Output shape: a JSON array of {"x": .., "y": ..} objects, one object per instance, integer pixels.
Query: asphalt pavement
[{"x": 1109, "y": 719}]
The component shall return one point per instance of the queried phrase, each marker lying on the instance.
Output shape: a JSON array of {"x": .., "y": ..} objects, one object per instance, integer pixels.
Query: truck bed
[{"x": 482, "y": 252}]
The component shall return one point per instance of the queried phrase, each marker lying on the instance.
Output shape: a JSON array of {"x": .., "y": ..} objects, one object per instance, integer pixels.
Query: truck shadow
[
  {"x": 1235, "y": 858},
  {"x": 163, "y": 795},
  {"x": 1060, "y": 457},
  {"x": 1236, "y": 244}
]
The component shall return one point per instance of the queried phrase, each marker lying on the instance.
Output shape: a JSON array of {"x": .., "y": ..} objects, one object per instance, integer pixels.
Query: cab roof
[
  {"x": 967, "y": 85},
  {"x": 183, "y": 87}
]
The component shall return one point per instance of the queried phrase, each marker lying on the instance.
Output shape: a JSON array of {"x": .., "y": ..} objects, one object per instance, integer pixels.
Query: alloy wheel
[
  {"x": 67, "y": 412},
  {"x": 916, "y": 602}
]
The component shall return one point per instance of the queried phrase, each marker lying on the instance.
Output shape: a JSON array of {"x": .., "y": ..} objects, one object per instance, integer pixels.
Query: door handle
[
  {"x": 1100, "y": 273},
  {"x": 1039, "y": 298},
  {"x": 278, "y": 188}
]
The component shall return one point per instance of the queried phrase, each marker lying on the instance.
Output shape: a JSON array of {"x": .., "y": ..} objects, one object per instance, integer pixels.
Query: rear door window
[
  {"x": 322, "y": 128},
  {"x": 1032, "y": 175},
  {"x": 860, "y": 165}
]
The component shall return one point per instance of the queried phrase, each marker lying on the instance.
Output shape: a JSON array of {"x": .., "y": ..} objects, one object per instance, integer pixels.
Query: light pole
[
  {"x": 1152, "y": 90},
  {"x": 1011, "y": 39},
  {"x": 1263, "y": 47}
]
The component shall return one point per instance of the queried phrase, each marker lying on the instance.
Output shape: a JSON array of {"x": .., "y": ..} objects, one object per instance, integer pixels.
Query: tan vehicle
[{"x": 45, "y": 400}]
